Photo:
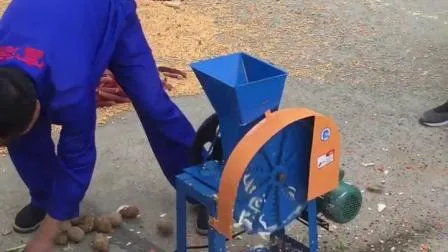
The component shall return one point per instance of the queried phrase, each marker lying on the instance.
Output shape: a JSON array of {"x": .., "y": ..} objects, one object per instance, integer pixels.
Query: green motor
[{"x": 341, "y": 205}]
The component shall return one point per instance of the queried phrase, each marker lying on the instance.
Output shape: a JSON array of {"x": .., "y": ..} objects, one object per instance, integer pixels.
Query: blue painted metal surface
[
  {"x": 277, "y": 173},
  {"x": 273, "y": 190},
  {"x": 188, "y": 186},
  {"x": 241, "y": 88},
  {"x": 312, "y": 224}
]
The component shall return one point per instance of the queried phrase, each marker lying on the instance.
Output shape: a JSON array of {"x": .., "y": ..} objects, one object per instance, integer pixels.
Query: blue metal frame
[{"x": 188, "y": 187}]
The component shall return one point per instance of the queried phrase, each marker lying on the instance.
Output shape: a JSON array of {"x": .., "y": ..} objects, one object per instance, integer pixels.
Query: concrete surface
[{"x": 387, "y": 64}]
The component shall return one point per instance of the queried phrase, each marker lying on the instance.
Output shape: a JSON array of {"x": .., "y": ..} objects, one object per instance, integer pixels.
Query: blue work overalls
[{"x": 65, "y": 46}]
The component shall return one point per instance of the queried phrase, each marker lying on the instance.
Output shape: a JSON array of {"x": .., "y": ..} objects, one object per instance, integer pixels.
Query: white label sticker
[{"x": 325, "y": 159}]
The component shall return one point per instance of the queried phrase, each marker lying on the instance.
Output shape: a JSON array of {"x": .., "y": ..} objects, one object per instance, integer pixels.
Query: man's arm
[{"x": 76, "y": 153}]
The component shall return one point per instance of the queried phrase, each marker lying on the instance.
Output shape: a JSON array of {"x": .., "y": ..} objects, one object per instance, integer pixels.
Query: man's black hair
[{"x": 17, "y": 102}]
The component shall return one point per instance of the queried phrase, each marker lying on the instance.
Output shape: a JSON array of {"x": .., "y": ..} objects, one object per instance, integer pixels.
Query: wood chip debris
[
  {"x": 381, "y": 207},
  {"x": 174, "y": 4},
  {"x": 6, "y": 232},
  {"x": 375, "y": 189},
  {"x": 19, "y": 248}
]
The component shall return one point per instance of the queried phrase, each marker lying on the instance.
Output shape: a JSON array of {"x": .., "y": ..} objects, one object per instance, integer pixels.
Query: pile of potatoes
[{"x": 75, "y": 230}]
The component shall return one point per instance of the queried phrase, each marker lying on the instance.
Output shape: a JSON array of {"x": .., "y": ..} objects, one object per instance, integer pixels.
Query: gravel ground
[{"x": 374, "y": 66}]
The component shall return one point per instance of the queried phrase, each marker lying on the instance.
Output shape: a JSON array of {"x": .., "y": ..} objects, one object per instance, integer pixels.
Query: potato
[
  {"x": 87, "y": 223},
  {"x": 115, "y": 219},
  {"x": 61, "y": 239},
  {"x": 129, "y": 212},
  {"x": 165, "y": 228},
  {"x": 75, "y": 234},
  {"x": 65, "y": 225},
  {"x": 103, "y": 225},
  {"x": 100, "y": 243},
  {"x": 76, "y": 221}
]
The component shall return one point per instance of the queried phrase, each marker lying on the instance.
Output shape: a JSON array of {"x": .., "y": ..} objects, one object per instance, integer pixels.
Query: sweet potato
[
  {"x": 174, "y": 76},
  {"x": 76, "y": 221},
  {"x": 165, "y": 228},
  {"x": 75, "y": 234},
  {"x": 61, "y": 239},
  {"x": 129, "y": 212},
  {"x": 65, "y": 226},
  {"x": 171, "y": 70},
  {"x": 103, "y": 225},
  {"x": 107, "y": 82},
  {"x": 105, "y": 103},
  {"x": 87, "y": 223},
  {"x": 113, "y": 97},
  {"x": 115, "y": 219},
  {"x": 100, "y": 243}
]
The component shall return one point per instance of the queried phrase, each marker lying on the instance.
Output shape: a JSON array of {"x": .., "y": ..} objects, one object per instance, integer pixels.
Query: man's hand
[{"x": 43, "y": 241}]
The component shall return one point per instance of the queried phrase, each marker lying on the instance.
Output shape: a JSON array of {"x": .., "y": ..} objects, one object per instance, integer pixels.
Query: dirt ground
[{"x": 372, "y": 65}]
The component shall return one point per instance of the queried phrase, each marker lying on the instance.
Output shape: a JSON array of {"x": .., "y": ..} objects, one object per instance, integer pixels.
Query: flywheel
[
  {"x": 273, "y": 189},
  {"x": 284, "y": 161}
]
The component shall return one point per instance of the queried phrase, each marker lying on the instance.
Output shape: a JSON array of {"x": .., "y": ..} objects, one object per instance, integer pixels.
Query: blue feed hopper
[{"x": 241, "y": 88}]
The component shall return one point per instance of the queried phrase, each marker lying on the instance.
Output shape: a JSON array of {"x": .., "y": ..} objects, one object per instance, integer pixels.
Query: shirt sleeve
[{"x": 76, "y": 151}]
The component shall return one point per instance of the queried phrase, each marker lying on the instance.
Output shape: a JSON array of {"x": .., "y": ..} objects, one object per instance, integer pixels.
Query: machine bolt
[{"x": 281, "y": 177}]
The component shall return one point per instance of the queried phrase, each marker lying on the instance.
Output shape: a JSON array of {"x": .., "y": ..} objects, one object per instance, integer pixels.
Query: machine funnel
[{"x": 239, "y": 86}]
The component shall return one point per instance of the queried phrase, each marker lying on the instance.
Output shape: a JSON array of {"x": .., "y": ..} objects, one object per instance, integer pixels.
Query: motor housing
[{"x": 341, "y": 205}]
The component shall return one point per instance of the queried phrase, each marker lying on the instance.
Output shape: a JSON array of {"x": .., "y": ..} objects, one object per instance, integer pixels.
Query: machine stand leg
[
  {"x": 312, "y": 226},
  {"x": 216, "y": 241},
  {"x": 181, "y": 205}
]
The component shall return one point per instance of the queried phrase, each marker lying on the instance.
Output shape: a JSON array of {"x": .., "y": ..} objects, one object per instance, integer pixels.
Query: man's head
[{"x": 19, "y": 107}]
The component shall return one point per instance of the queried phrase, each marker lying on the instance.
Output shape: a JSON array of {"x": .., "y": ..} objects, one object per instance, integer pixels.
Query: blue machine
[{"x": 282, "y": 180}]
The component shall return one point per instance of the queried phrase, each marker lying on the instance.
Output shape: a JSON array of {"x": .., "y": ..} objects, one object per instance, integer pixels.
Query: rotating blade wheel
[
  {"x": 207, "y": 143},
  {"x": 273, "y": 189}
]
